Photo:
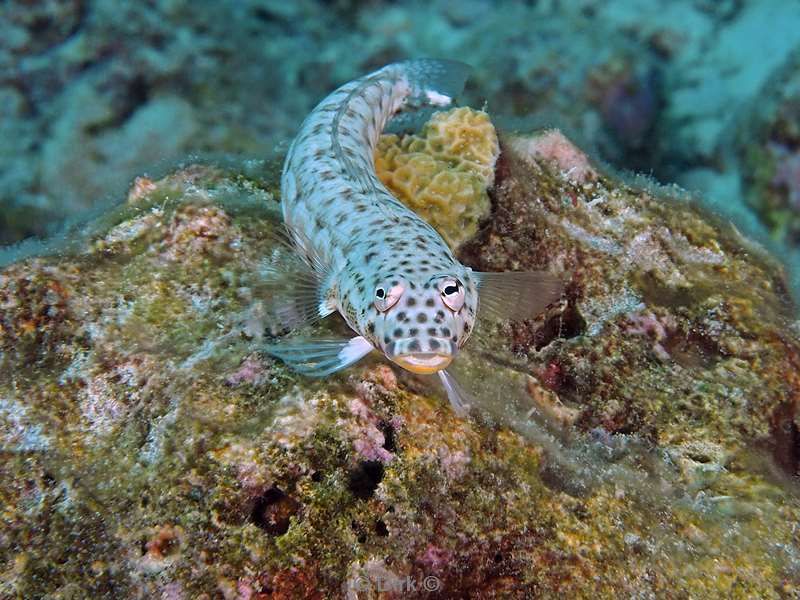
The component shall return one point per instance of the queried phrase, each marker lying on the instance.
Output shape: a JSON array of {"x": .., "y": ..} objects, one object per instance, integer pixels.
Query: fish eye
[
  {"x": 386, "y": 296},
  {"x": 452, "y": 294}
]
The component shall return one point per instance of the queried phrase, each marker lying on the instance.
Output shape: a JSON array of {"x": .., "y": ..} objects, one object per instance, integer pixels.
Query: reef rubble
[{"x": 639, "y": 439}]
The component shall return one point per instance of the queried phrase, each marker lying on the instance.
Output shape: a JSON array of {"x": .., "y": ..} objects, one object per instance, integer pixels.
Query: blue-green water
[{"x": 96, "y": 92}]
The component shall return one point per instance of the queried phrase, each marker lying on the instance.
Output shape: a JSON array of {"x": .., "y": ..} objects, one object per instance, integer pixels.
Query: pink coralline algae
[
  {"x": 368, "y": 440},
  {"x": 435, "y": 559},
  {"x": 252, "y": 371},
  {"x": 657, "y": 329},
  {"x": 554, "y": 147}
]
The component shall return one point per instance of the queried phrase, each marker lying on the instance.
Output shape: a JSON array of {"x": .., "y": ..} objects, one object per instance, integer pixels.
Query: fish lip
[{"x": 423, "y": 362}]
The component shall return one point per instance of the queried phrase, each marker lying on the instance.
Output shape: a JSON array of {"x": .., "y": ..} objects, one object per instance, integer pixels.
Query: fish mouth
[
  {"x": 423, "y": 362},
  {"x": 421, "y": 356}
]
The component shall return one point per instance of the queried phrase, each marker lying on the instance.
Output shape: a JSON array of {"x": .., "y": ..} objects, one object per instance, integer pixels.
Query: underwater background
[
  {"x": 694, "y": 92},
  {"x": 641, "y": 440}
]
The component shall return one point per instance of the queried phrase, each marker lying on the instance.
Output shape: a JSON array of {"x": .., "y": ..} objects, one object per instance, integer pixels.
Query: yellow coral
[{"x": 443, "y": 173}]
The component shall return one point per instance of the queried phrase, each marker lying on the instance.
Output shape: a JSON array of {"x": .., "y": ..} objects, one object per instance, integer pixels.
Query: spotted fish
[{"x": 388, "y": 273}]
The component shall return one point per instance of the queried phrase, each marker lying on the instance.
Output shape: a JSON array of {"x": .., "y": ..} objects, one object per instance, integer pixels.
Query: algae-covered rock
[{"x": 635, "y": 441}]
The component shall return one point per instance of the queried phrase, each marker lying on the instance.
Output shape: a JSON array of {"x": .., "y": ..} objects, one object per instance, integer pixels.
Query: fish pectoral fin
[
  {"x": 320, "y": 357},
  {"x": 297, "y": 286},
  {"x": 517, "y": 295},
  {"x": 459, "y": 399}
]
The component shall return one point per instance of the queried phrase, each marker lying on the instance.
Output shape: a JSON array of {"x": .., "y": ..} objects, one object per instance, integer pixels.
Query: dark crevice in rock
[
  {"x": 265, "y": 15},
  {"x": 381, "y": 529},
  {"x": 565, "y": 325},
  {"x": 364, "y": 479},
  {"x": 786, "y": 438},
  {"x": 138, "y": 93},
  {"x": 273, "y": 510},
  {"x": 536, "y": 335},
  {"x": 388, "y": 436}
]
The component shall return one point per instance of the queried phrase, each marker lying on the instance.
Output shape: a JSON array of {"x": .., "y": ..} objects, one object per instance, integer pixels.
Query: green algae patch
[{"x": 637, "y": 439}]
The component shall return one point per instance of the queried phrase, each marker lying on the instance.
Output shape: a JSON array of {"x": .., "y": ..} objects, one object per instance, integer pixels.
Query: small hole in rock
[
  {"x": 699, "y": 458},
  {"x": 498, "y": 557},
  {"x": 316, "y": 476},
  {"x": 273, "y": 510},
  {"x": 365, "y": 478},
  {"x": 381, "y": 529},
  {"x": 566, "y": 325},
  {"x": 388, "y": 436}
]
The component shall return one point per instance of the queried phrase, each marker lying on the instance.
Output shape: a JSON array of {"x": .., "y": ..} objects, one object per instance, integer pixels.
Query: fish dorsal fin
[
  {"x": 318, "y": 357},
  {"x": 516, "y": 295}
]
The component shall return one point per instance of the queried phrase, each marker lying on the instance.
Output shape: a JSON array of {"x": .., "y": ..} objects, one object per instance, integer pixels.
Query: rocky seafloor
[{"x": 640, "y": 439}]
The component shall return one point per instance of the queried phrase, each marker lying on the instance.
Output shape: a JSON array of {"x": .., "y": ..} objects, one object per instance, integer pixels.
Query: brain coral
[{"x": 443, "y": 172}]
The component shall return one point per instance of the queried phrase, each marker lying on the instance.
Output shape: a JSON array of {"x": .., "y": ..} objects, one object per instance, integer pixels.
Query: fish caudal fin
[
  {"x": 517, "y": 295},
  {"x": 320, "y": 357},
  {"x": 435, "y": 82}
]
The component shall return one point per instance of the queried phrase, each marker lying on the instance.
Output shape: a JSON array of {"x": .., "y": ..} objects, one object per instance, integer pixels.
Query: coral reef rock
[{"x": 637, "y": 440}]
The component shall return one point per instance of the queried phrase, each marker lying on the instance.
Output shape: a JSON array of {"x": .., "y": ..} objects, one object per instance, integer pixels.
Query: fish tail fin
[{"x": 436, "y": 81}]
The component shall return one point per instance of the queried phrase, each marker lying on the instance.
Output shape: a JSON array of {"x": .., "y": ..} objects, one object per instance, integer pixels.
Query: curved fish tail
[
  {"x": 435, "y": 81},
  {"x": 371, "y": 101}
]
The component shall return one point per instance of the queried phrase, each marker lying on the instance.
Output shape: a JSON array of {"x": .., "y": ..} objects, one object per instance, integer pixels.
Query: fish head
[{"x": 421, "y": 324}]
